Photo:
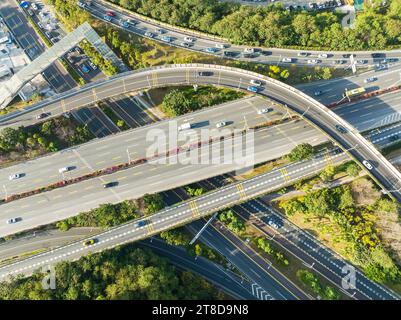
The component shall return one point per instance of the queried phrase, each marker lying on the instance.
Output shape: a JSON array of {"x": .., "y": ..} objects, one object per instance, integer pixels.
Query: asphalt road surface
[
  {"x": 58, "y": 204},
  {"x": 203, "y": 42},
  {"x": 386, "y": 174}
]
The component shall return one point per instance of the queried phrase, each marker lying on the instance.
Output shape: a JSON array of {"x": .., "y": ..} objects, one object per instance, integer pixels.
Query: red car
[{"x": 110, "y": 13}]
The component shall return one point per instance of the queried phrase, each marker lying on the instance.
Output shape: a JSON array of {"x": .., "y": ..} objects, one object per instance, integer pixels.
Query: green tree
[{"x": 301, "y": 152}]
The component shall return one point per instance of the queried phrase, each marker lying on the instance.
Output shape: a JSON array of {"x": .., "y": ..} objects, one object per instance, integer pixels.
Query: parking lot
[{"x": 53, "y": 31}]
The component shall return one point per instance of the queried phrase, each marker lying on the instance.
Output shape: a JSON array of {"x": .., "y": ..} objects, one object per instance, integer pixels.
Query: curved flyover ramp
[{"x": 186, "y": 74}]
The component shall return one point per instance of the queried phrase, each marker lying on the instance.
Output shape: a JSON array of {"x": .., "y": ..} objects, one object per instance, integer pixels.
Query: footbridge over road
[{"x": 10, "y": 88}]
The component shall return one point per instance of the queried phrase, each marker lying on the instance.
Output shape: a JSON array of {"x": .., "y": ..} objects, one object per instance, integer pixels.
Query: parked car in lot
[
  {"x": 15, "y": 176},
  {"x": 370, "y": 79},
  {"x": 85, "y": 68},
  {"x": 93, "y": 66},
  {"x": 89, "y": 242},
  {"x": 367, "y": 164}
]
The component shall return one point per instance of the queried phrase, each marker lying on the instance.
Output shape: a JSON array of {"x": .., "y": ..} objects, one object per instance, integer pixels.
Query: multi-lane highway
[
  {"x": 178, "y": 215},
  {"x": 150, "y": 177},
  {"x": 311, "y": 110},
  {"x": 203, "y": 41}
]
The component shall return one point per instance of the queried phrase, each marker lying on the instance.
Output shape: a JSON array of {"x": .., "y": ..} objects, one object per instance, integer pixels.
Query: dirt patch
[{"x": 364, "y": 192}]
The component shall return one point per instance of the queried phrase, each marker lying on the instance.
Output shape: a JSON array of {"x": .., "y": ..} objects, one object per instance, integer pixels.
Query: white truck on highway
[{"x": 185, "y": 126}]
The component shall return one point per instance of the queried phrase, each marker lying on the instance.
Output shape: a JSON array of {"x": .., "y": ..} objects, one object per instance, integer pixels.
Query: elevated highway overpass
[{"x": 186, "y": 74}]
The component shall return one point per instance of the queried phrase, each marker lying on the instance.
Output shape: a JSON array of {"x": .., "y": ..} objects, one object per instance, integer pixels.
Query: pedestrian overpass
[{"x": 10, "y": 88}]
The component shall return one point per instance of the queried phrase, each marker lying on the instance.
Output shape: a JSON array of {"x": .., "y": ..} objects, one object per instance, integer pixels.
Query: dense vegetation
[
  {"x": 310, "y": 280},
  {"x": 185, "y": 99},
  {"x": 354, "y": 224},
  {"x": 123, "y": 273},
  {"x": 49, "y": 136},
  {"x": 232, "y": 222},
  {"x": 301, "y": 152},
  {"x": 273, "y": 26},
  {"x": 109, "y": 215}
]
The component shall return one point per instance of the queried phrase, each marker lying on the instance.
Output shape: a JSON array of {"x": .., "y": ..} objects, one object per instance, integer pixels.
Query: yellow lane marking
[
  {"x": 241, "y": 191},
  {"x": 285, "y": 174},
  {"x": 194, "y": 208}
]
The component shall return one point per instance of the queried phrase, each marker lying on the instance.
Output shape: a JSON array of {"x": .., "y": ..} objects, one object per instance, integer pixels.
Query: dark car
[
  {"x": 378, "y": 55},
  {"x": 348, "y": 55},
  {"x": 205, "y": 73},
  {"x": 141, "y": 223},
  {"x": 394, "y": 138},
  {"x": 110, "y": 184},
  {"x": 230, "y": 53},
  {"x": 42, "y": 115},
  {"x": 89, "y": 242},
  {"x": 340, "y": 129},
  {"x": 265, "y": 53}
]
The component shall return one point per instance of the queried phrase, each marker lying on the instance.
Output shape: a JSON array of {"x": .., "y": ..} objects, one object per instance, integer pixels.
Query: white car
[
  {"x": 149, "y": 34},
  {"x": 323, "y": 55},
  {"x": 313, "y": 61},
  {"x": 13, "y": 220},
  {"x": 249, "y": 50},
  {"x": 15, "y": 176},
  {"x": 371, "y": 79},
  {"x": 93, "y": 66},
  {"x": 64, "y": 169},
  {"x": 367, "y": 164},
  {"x": 287, "y": 60},
  {"x": 221, "y": 124},
  {"x": 264, "y": 110},
  {"x": 189, "y": 39},
  {"x": 303, "y": 54},
  {"x": 257, "y": 83},
  {"x": 34, "y": 6},
  {"x": 220, "y": 45}
]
